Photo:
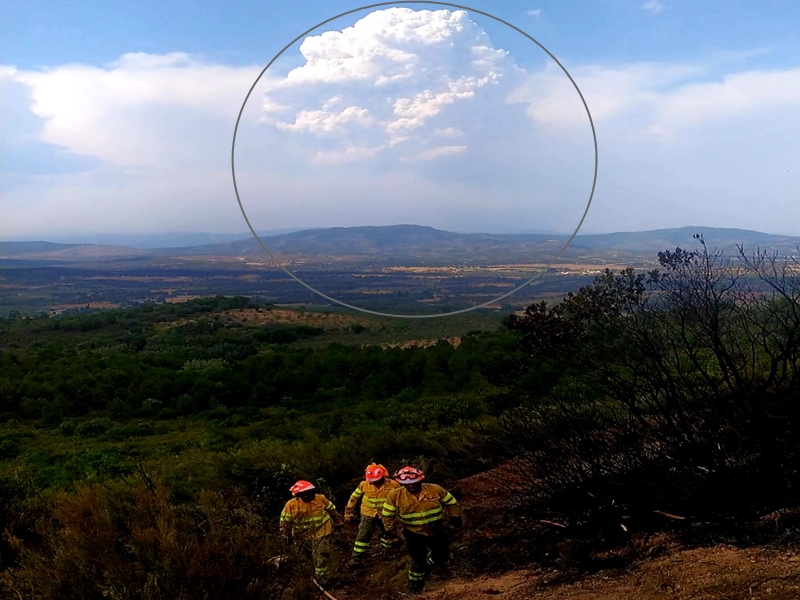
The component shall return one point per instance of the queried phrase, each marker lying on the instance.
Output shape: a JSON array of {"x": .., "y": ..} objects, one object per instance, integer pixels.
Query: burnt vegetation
[
  {"x": 145, "y": 453},
  {"x": 670, "y": 397}
]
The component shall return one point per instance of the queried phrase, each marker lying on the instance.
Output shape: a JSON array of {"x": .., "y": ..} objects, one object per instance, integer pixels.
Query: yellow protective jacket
[
  {"x": 419, "y": 514},
  {"x": 309, "y": 520},
  {"x": 371, "y": 497}
]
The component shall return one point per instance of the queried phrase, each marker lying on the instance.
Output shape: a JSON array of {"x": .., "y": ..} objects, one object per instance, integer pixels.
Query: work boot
[
  {"x": 415, "y": 587},
  {"x": 356, "y": 562}
]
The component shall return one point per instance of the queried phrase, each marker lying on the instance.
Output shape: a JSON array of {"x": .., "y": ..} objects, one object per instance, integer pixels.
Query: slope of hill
[
  {"x": 9, "y": 249},
  {"x": 486, "y": 560},
  {"x": 49, "y": 251},
  {"x": 647, "y": 241},
  {"x": 181, "y": 411},
  {"x": 146, "y": 241}
]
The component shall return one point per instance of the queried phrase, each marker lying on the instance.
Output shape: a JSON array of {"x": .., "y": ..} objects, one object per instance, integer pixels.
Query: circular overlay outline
[{"x": 428, "y": 316}]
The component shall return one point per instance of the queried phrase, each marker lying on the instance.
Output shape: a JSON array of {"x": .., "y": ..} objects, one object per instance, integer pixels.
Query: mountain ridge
[
  {"x": 149, "y": 241},
  {"x": 415, "y": 242}
]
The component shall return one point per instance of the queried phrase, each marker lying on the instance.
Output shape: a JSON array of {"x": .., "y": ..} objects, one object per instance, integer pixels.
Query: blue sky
[
  {"x": 47, "y": 33},
  {"x": 695, "y": 106}
]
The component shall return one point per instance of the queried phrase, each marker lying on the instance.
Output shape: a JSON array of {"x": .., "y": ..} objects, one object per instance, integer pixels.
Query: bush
[
  {"x": 93, "y": 427},
  {"x": 135, "y": 544},
  {"x": 151, "y": 406},
  {"x": 9, "y": 448},
  {"x": 67, "y": 428},
  {"x": 131, "y": 431}
]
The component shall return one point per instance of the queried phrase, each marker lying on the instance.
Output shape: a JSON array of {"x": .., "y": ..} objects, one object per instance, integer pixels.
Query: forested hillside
[{"x": 146, "y": 453}]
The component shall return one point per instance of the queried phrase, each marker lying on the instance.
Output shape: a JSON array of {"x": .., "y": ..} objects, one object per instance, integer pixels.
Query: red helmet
[
  {"x": 375, "y": 473},
  {"x": 301, "y": 486},
  {"x": 408, "y": 475}
]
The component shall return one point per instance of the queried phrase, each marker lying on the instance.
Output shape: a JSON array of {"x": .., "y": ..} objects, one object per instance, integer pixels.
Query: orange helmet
[
  {"x": 301, "y": 486},
  {"x": 375, "y": 473},
  {"x": 408, "y": 475}
]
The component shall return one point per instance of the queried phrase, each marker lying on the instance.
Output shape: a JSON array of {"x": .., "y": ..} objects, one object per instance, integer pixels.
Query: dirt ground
[
  {"x": 665, "y": 570},
  {"x": 250, "y": 316},
  {"x": 453, "y": 341},
  {"x": 292, "y": 317},
  {"x": 719, "y": 572}
]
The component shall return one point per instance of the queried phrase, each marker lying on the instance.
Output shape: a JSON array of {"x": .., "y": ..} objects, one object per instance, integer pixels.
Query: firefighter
[
  {"x": 371, "y": 493},
  {"x": 420, "y": 508},
  {"x": 309, "y": 518}
]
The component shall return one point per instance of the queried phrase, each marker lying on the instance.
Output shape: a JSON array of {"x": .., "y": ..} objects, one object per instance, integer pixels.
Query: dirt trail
[
  {"x": 672, "y": 571},
  {"x": 719, "y": 572}
]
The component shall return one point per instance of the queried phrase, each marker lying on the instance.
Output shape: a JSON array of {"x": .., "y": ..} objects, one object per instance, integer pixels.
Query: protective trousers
[
  {"x": 366, "y": 529},
  {"x": 425, "y": 552},
  {"x": 321, "y": 550}
]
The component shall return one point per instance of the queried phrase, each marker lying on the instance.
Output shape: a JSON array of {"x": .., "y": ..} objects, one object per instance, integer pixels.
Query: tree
[{"x": 673, "y": 386}]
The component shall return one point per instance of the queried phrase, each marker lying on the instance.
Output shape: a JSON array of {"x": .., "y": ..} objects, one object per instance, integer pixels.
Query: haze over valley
[{"x": 405, "y": 267}]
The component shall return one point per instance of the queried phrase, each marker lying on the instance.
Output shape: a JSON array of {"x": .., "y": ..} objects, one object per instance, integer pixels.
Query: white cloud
[
  {"x": 735, "y": 95},
  {"x": 121, "y": 113},
  {"x": 448, "y": 132},
  {"x": 348, "y": 153},
  {"x": 609, "y": 91},
  {"x": 322, "y": 122},
  {"x": 440, "y": 151},
  {"x": 536, "y": 12},
  {"x": 412, "y": 65},
  {"x": 655, "y": 98},
  {"x": 653, "y": 6}
]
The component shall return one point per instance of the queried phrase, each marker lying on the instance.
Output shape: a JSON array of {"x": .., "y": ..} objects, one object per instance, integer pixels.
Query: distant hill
[
  {"x": 66, "y": 252},
  {"x": 726, "y": 238},
  {"x": 339, "y": 241},
  {"x": 8, "y": 249},
  {"x": 415, "y": 241},
  {"x": 416, "y": 244},
  {"x": 159, "y": 240}
]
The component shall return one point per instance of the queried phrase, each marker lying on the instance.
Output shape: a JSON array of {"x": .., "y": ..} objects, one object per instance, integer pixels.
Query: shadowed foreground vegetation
[{"x": 145, "y": 453}]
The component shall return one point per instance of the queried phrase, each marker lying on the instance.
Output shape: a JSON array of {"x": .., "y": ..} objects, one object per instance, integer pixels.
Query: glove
[
  {"x": 350, "y": 518},
  {"x": 456, "y": 522}
]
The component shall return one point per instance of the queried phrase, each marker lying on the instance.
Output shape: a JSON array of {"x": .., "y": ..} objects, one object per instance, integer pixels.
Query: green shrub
[
  {"x": 9, "y": 448},
  {"x": 131, "y": 431},
  {"x": 93, "y": 427},
  {"x": 67, "y": 428}
]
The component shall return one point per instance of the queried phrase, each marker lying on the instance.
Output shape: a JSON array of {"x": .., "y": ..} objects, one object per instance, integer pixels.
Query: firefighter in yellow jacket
[
  {"x": 371, "y": 493},
  {"x": 420, "y": 508},
  {"x": 309, "y": 519}
]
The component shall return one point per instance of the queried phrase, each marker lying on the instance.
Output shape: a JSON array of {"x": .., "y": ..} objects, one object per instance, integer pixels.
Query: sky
[{"x": 119, "y": 116}]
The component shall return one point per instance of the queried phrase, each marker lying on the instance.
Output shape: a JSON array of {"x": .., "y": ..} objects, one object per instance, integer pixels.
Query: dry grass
[
  {"x": 454, "y": 341},
  {"x": 60, "y": 307},
  {"x": 329, "y": 321},
  {"x": 180, "y": 299}
]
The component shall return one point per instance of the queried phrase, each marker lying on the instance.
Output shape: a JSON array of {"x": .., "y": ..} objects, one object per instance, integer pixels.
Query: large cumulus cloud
[{"x": 384, "y": 83}]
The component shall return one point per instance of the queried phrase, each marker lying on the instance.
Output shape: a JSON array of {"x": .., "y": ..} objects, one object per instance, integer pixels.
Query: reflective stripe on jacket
[
  {"x": 371, "y": 497},
  {"x": 419, "y": 514},
  {"x": 310, "y": 520}
]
